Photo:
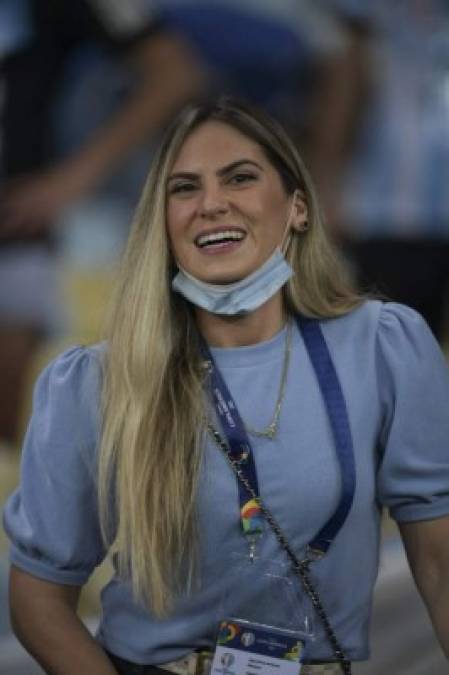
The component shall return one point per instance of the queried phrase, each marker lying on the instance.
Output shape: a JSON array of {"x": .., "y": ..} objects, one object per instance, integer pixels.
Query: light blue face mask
[{"x": 240, "y": 297}]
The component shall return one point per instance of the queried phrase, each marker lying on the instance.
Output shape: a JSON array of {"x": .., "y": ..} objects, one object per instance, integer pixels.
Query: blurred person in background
[
  {"x": 71, "y": 121},
  {"x": 36, "y": 188},
  {"x": 394, "y": 209}
]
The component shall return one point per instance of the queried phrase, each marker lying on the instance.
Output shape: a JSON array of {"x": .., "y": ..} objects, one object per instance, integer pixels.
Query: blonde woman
[{"x": 234, "y": 439}]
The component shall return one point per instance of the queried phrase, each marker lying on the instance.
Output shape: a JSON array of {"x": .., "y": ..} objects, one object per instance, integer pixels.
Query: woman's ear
[{"x": 300, "y": 212}]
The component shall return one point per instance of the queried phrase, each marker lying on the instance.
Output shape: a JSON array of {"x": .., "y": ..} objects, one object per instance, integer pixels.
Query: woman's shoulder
[
  {"x": 70, "y": 382},
  {"x": 384, "y": 331},
  {"x": 378, "y": 318},
  {"x": 76, "y": 363}
]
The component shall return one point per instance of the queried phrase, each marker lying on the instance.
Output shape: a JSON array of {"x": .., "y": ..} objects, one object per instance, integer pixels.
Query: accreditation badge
[
  {"x": 245, "y": 648},
  {"x": 264, "y": 591}
]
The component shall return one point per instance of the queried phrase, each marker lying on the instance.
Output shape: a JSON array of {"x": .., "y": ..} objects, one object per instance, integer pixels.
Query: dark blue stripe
[
  {"x": 233, "y": 427},
  {"x": 338, "y": 415}
]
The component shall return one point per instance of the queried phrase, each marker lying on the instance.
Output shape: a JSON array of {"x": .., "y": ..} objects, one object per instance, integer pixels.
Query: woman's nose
[{"x": 213, "y": 202}]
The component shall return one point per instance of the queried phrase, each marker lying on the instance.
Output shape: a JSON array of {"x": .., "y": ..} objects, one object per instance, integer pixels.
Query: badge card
[{"x": 245, "y": 648}]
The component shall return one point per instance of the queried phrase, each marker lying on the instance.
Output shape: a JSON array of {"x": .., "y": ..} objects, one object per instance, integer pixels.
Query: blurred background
[{"x": 86, "y": 89}]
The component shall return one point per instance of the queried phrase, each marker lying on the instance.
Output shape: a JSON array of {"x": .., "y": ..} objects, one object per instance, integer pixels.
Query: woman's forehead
[{"x": 213, "y": 144}]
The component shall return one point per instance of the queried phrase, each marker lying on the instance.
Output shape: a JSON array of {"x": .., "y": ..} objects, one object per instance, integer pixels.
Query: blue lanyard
[
  {"x": 239, "y": 446},
  {"x": 338, "y": 416},
  {"x": 335, "y": 404}
]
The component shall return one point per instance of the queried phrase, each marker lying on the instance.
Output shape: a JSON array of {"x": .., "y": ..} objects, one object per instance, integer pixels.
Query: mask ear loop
[{"x": 287, "y": 236}]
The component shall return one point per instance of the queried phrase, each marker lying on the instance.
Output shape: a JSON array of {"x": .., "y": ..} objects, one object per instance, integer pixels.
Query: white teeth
[{"x": 216, "y": 237}]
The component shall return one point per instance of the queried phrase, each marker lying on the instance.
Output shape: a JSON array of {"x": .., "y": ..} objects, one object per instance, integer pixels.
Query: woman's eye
[
  {"x": 179, "y": 188},
  {"x": 239, "y": 178}
]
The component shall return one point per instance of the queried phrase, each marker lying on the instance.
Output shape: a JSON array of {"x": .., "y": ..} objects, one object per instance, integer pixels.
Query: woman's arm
[
  {"x": 43, "y": 616},
  {"x": 427, "y": 547}
]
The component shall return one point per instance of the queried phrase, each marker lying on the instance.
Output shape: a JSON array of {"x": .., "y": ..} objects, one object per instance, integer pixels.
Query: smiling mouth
[{"x": 219, "y": 238}]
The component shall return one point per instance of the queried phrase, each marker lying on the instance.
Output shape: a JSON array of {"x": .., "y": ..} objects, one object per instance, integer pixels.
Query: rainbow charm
[{"x": 252, "y": 518}]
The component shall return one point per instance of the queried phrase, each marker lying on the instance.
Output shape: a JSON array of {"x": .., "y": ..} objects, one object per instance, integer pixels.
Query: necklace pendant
[{"x": 271, "y": 432}]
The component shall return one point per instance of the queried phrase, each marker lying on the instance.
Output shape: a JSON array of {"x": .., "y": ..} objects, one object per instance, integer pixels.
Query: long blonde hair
[{"x": 153, "y": 426}]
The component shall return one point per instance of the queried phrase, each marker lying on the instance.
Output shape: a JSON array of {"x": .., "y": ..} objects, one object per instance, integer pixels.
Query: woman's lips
[
  {"x": 221, "y": 239},
  {"x": 221, "y": 248},
  {"x": 213, "y": 235}
]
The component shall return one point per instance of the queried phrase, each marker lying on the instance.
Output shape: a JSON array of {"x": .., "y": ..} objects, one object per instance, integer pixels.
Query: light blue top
[{"x": 396, "y": 384}]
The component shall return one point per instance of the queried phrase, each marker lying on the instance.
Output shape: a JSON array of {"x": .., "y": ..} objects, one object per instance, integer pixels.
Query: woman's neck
[{"x": 248, "y": 329}]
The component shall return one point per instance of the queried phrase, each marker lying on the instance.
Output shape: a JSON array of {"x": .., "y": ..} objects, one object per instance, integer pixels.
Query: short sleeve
[
  {"x": 413, "y": 380},
  {"x": 52, "y": 519}
]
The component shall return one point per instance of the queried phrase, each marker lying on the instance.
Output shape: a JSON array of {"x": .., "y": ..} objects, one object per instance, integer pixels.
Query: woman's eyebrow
[
  {"x": 236, "y": 164},
  {"x": 191, "y": 175}
]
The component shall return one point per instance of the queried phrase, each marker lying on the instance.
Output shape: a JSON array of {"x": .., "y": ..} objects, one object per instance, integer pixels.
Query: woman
[{"x": 215, "y": 366}]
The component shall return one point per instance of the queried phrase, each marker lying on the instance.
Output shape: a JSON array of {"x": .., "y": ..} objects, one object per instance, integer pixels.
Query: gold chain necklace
[{"x": 271, "y": 430}]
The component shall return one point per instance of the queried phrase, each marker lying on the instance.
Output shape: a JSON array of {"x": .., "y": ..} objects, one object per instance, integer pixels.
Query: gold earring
[{"x": 301, "y": 227}]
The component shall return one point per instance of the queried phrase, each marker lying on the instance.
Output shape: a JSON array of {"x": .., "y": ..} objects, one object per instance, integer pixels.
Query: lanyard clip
[{"x": 252, "y": 543}]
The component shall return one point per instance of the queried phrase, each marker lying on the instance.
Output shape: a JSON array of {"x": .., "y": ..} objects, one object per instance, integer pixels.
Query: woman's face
[{"x": 227, "y": 208}]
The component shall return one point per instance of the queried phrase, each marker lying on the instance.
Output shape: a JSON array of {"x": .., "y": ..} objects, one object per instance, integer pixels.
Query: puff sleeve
[
  {"x": 51, "y": 519},
  {"x": 413, "y": 381}
]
